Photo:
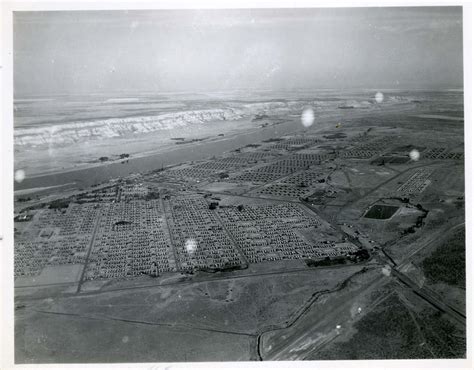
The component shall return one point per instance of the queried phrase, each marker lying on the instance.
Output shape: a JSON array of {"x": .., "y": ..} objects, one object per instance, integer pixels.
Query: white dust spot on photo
[
  {"x": 19, "y": 175},
  {"x": 379, "y": 97},
  {"x": 338, "y": 326},
  {"x": 414, "y": 155},
  {"x": 125, "y": 339},
  {"x": 190, "y": 245},
  {"x": 386, "y": 270},
  {"x": 359, "y": 310},
  {"x": 307, "y": 117}
]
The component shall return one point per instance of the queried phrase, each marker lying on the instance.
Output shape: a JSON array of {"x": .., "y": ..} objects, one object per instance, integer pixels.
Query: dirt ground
[{"x": 52, "y": 338}]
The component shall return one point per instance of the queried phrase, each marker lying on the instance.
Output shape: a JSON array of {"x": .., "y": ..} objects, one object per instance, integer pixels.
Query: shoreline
[
  {"x": 144, "y": 154},
  {"x": 170, "y": 153}
]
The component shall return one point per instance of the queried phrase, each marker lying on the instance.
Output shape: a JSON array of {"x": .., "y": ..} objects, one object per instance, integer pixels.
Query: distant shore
[{"x": 150, "y": 152}]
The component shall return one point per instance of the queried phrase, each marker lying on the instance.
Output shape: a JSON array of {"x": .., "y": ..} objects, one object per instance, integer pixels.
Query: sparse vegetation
[
  {"x": 226, "y": 268},
  {"x": 59, "y": 204},
  {"x": 272, "y": 140},
  {"x": 448, "y": 262},
  {"x": 358, "y": 256},
  {"x": 326, "y": 262},
  {"x": 152, "y": 195},
  {"x": 389, "y": 332}
]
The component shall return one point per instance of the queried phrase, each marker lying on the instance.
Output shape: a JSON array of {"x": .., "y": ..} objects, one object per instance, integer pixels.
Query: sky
[{"x": 77, "y": 52}]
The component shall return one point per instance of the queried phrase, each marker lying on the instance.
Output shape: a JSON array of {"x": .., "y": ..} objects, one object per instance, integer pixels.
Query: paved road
[
  {"x": 173, "y": 246},
  {"x": 91, "y": 245}
]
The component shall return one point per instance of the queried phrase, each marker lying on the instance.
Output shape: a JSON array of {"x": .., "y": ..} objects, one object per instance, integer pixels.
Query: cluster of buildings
[
  {"x": 269, "y": 232},
  {"x": 442, "y": 153},
  {"x": 55, "y": 238},
  {"x": 293, "y": 143},
  {"x": 417, "y": 182},
  {"x": 199, "y": 238},
  {"x": 130, "y": 240},
  {"x": 369, "y": 149},
  {"x": 132, "y": 227},
  {"x": 273, "y": 171},
  {"x": 299, "y": 185}
]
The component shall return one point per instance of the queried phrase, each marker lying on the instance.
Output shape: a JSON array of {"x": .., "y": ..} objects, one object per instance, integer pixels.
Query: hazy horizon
[{"x": 84, "y": 52}]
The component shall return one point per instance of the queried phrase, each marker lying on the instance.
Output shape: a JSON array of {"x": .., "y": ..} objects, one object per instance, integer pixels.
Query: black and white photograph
[{"x": 239, "y": 184}]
